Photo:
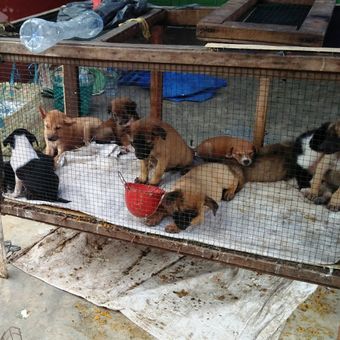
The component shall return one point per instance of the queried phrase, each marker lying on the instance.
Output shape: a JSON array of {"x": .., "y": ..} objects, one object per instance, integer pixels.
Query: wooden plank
[
  {"x": 261, "y": 111},
  {"x": 280, "y": 48},
  {"x": 95, "y": 52},
  {"x": 130, "y": 29},
  {"x": 3, "y": 261},
  {"x": 278, "y": 34},
  {"x": 318, "y": 18},
  {"x": 71, "y": 91},
  {"x": 232, "y": 10},
  {"x": 156, "y": 82},
  {"x": 186, "y": 16},
  {"x": 314, "y": 274}
]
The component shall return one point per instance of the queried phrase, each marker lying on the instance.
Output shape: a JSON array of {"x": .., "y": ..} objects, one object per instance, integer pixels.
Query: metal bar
[{"x": 70, "y": 219}]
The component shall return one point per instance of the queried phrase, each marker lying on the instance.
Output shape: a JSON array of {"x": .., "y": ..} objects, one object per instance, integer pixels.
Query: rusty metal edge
[{"x": 322, "y": 275}]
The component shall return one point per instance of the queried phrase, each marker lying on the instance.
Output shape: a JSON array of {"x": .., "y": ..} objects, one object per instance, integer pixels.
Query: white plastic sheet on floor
[
  {"x": 268, "y": 219},
  {"x": 169, "y": 295}
]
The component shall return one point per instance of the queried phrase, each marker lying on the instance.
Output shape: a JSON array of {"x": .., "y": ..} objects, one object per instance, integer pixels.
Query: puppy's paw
[
  {"x": 137, "y": 180},
  {"x": 309, "y": 194},
  {"x": 172, "y": 229},
  {"x": 320, "y": 200},
  {"x": 228, "y": 196},
  {"x": 13, "y": 195},
  {"x": 333, "y": 207},
  {"x": 152, "y": 220}
]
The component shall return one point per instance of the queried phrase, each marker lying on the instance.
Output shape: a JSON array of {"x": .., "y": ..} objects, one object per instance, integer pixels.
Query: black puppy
[{"x": 33, "y": 171}]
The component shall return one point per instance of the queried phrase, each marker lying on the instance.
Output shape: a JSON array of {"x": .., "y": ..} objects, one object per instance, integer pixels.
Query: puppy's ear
[
  {"x": 42, "y": 112},
  {"x": 170, "y": 198},
  {"x": 230, "y": 154},
  {"x": 210, "y": 203},
  {"x": 255, "y": 149},
  {"x": 69, "y": 121},
  {"x": 319, "y": 136},
  {"x": 9, "y": 140},
  {"x": 158, "y": 131},
  {"x": 31, "y": 138}
]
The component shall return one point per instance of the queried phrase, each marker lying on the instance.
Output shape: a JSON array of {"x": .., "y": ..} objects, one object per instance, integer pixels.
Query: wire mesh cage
[{"x": 170, "y": 154}]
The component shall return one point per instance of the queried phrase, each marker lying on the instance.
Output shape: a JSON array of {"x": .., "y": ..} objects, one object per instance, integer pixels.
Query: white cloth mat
[{"x": 269, "y": 219}]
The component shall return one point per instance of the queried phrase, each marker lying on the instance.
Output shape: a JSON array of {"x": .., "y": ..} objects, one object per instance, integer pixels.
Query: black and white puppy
[
  {"x": 305, "y": 156},
  {"x": 9, "y": 177},
  {"x": 34, "y": 171}
]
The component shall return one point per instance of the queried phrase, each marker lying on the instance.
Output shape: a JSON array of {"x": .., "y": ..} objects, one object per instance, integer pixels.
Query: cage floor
[{"x": 269, "y": 219}]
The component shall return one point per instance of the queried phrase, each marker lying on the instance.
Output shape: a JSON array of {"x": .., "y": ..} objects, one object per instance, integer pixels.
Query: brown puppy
[
  {"x": 64, "y": 133},
  {"x": 124, "y": 110},
  {"x": 274, "y": 162},
  {"x": 109, "y": 131},
  {"x": 158, "y": 142},
  {"x": 219, "y": 148},
  {"x": 203, "y": 186},
  {"x": 325, "y": 184}
]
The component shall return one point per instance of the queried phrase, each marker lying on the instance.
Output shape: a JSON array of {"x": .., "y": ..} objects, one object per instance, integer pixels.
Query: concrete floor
[{"x": 54, "y": 314}]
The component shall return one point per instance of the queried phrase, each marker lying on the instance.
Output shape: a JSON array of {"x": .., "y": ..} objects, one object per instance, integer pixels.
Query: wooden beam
[
  {"x": 186, "y": 16},
  {"x": 70, "y": 219},
  {"x": 3, "y": 261},
  {"x": 94, "y": 52},
  {"x": 261, "y": 111},
  {"x": 71, "y": 91},
  {"x": 156, "y": 82}
]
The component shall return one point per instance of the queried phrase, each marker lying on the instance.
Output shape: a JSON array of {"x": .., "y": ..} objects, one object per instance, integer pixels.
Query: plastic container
[
  {"x": 86, "y": 81},
  {"x": 38, "y": 35}
]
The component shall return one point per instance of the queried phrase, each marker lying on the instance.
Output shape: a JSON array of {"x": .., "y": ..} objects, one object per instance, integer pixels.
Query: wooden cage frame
[
  {"x": 224, "y": 25},
  {"x": 156, "y": 58}
]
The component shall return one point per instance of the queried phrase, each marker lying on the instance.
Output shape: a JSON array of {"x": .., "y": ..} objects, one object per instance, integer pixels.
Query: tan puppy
[
  {"x": 124, "y": 110},
  {"x": 219, "y": 148},
  {"x": 158, "y": 142},
  {"x": 202, "y": 187},
  {"x": 63, "y": 133}
]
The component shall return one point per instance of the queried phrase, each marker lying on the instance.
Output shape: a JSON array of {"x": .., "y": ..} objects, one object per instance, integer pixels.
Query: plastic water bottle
[{"x": 38, "y": 35}]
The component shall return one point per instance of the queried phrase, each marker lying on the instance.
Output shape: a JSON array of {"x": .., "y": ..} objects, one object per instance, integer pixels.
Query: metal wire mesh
[{"x": 267, "y": 218}]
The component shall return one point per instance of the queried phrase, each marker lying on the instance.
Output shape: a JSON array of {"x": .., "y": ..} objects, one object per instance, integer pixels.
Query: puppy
[
  {"x": 202, "y": 187},
  {"x": 274, "y": 162},
  {"x": 111, "y": 131},
  {"x": 325, "y": 184},
  {"x": 33, "y": 172},
  {"x": 219, "y": 148},
  {"x": 306, "y": 156},
  {"x": 9, "y": 177},
  {"x": 63, "y": 133},
  {"x": 158, "y": 142},
  {"x": 124, "y": 110}
]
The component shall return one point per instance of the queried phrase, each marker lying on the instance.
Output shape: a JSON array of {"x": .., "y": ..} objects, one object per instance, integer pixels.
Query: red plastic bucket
[{"x": 141, "y": 200}]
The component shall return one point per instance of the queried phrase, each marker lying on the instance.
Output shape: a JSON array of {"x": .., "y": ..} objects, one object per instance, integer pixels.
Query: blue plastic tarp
[{"x": 178, "y": 86}]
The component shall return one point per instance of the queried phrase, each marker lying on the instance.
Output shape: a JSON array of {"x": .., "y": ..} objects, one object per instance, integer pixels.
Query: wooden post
[
  {"x": 261, "y": 111},
  {"x": 156, "y": 82},
  {"x": 3, "y": 261},
  {"x": 71, "y": 91}
]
